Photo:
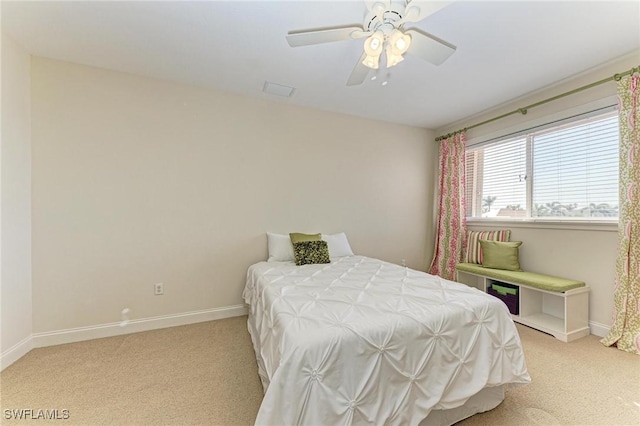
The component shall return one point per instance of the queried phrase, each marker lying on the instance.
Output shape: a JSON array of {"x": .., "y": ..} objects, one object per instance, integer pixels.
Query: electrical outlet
[{"x": 159, "y": 289}]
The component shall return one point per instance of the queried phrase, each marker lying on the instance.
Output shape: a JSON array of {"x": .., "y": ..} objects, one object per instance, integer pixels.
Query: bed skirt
[{"x": 485, "y": 400}]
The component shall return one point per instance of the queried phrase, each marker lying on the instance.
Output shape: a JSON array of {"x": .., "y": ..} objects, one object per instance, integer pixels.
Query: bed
[{"x": 363, "y": 341}]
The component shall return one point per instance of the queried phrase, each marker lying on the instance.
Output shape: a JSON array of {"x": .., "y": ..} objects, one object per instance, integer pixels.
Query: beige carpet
[{"x": 205, "y": 374}]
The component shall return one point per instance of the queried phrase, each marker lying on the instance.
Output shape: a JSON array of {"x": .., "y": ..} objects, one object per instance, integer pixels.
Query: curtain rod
[{"x": 524, "y": 110}]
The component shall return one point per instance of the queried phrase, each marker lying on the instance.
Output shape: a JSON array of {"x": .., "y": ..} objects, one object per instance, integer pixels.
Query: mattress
[{"x": 361, "y": 340}]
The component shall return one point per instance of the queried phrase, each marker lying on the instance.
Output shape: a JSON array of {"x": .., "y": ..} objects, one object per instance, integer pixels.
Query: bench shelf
[{"x": 564, "y": 315}]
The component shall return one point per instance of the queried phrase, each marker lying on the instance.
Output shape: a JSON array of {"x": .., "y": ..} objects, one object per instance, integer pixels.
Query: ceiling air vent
[{"x": 278, "y": 89}]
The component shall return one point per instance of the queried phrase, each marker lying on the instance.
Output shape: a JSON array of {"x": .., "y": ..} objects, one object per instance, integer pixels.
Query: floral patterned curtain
[
  {"x": 452, "y": 225},
  {"x": 625, "y": 332}
]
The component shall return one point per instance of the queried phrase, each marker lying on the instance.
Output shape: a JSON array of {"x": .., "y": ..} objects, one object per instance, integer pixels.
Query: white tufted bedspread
[{"x": 362, "y": 341}]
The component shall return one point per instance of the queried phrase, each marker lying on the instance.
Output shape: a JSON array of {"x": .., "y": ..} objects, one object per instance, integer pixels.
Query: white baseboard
[
  {"x": 71, "y": 335},
  {"x": 59, "y": 337},
  {"x": 16, "y": 352},
  {"x": 598, "y": 329}
]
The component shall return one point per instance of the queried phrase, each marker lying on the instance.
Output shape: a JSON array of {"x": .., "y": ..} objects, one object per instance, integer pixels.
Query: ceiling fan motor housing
[{"x": 385, "y": 17}]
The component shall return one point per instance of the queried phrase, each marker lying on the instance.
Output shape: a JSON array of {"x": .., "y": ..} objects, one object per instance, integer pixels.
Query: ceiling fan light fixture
[
  {"x": 392, "y": 58},
  {"x": 399, "y": 42},
  {"x": 373, "y": 44},
  {"x": 372, "y": 62},
  {"x": 373, "y": 49}
]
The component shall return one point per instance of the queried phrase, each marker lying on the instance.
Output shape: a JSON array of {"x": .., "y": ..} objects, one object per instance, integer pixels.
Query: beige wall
[
  {"x": 15, "y": 190},
  {"x": 584, "y": 254},
  {"x": 138, "y": 181}
]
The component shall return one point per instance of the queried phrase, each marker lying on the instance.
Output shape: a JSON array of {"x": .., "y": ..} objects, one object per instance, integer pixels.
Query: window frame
[{"x": 566, "y": 117}]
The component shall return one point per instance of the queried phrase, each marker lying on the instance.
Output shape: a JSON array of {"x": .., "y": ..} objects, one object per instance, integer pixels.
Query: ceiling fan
[{"x": 384, "y": 28}]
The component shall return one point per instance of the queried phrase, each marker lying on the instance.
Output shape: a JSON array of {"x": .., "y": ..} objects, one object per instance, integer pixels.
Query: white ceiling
[{"x": 505, "y": 49}]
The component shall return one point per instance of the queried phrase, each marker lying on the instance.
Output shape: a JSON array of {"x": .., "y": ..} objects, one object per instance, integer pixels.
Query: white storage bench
[{"x": 557, "y": 306}]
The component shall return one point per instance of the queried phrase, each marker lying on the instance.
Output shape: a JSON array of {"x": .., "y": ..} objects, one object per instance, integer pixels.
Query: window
[{"x": 560, "y": 172}]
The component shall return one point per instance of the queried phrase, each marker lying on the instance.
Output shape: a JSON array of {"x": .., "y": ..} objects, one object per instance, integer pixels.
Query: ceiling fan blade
[
  {"x": 417, "y": 10},
  {"x": 324, "y": 35},
  {"x": 359, "y": 73},
  {"x": 428, "y": 47}
]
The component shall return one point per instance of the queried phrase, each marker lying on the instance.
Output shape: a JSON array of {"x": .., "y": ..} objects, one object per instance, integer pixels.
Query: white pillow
[
  {"x": 280, "y": 248},
  {"x": 338, "y": 245}
]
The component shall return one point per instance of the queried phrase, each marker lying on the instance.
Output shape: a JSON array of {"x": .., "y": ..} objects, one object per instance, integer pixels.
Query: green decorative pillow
[
  {"x": 297, "y": 237},
  {"x": 473, "y": 252},
  {"x": 501, "y": 255},
  {"x": 308, "y": 252}
]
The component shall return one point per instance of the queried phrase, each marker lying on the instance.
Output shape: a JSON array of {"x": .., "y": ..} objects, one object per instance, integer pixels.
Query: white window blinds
[{"x": 564, "y": 172}]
